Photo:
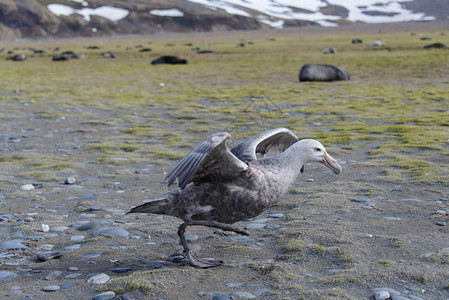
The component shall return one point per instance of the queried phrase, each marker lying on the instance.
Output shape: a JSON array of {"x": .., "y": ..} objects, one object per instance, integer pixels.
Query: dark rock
[
  {"x": 17, "y": 57},
  {"x": 357, "y": 41},
  {"x": 169, "y": 59},
  {"x": 317, "y": 72},
  {"x": 121, "y": 270},
  {"x": 47, "y": 255},
  {"x": 60, "y": 57},
  {"x": 435, "y": 46},
  {"x": 6, "y": 276},
  {"x": 134, "y": 295},
  {"x": 145, "y": 50},
  {"x": 426, "y": 38},
  {"x": 329, "y": 51},
  {"x": 109, "y": 54},
  {"x": 205, "y": 52}
]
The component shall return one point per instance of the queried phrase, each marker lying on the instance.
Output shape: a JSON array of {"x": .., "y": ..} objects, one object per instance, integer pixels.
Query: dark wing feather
[
  {"x": 209, "y": 160},
  {"x": 272, "y": 142}
]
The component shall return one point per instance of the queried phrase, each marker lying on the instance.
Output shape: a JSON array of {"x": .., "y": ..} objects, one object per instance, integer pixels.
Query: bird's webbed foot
[{"x": 201, "y": 263}]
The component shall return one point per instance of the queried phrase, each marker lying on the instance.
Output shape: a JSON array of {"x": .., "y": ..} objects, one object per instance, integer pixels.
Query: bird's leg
[
  {"x": 194, "y": 261},
  {"x": 221, "y": 226}
]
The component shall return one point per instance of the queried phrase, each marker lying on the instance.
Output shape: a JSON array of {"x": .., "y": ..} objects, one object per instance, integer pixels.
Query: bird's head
[{"x": 314, "y": 151}]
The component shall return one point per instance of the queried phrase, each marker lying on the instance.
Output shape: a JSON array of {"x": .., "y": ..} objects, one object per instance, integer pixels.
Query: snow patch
[
  {"x": 167, "y": 12},
  {"x": 108, "y": 12}
]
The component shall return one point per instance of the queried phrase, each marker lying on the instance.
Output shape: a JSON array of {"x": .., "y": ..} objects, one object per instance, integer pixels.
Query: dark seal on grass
[
  {"x": 317, "y": 72},
  {"x": 169, "y": 59}
]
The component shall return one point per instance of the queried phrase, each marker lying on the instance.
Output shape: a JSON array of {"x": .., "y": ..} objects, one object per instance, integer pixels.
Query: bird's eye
[{"x": 317, "y": 149}]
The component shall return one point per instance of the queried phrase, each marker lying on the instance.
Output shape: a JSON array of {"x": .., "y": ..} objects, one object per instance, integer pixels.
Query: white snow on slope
[
  {"x": 274, "y": 13},
  {"x": 285, "y": 10},
  {"x": 111, "y": 13},
  {"x": 167, "y": 12}
]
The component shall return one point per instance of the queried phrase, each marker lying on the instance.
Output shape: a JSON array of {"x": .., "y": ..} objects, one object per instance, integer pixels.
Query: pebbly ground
[{"x": 326, "y": 238}]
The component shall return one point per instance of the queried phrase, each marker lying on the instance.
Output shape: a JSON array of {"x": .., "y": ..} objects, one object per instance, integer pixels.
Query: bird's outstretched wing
[
  {"x": 269, "y": 143},
  {"x": 210, "y": 161}
]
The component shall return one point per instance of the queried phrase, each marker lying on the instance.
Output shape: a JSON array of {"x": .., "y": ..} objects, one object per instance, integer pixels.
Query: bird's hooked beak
[{"x": 331, "y": 163}]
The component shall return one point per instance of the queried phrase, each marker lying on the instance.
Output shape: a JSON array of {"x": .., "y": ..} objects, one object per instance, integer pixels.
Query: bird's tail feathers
[{"x": 152, "y": 206}]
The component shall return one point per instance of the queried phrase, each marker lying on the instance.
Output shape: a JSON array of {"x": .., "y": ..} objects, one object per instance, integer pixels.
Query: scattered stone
[
  {"x": 276, "y": 216},
  {"x": 72, "y": 247},
  {"x": 67, "y": 285},
  {"x": 427, "y": 255},
  {"x": 88, "y": 256},
  {"x": 99, "y": 278},
  {"x": 17, "y": 57},
  {"x": 7, "y": 276},
  {"x": 113, "y": 230},
  {"x": 260, "y": 292},
  {"x": 234, "y": 284},
  {"x": 50, "y": 288},
  {"x": 45, "y": 228},
  {"x": 121, "y": 270},
  {"x": 27, "y": 187},
  {"x": 88, "y": 226},
  {"x": 47, "y": 255},
  {"x": 70, "y": 180},
  {"x": 360, "y": 199},
  {"x": 377, "y": 43},
  {"x": 95, "y": 208},
  {"x": 58, "y": 229},
  {"x": 329, "y": 51},
  {"x": 53, "y": 275},
  {"x": 104, "y": 296},
  {"x": 13, "y": 245},
  {"x": 134, "y": 295},
  {"x": 191, "y": 238},
  {"x": 391, "y": 218},
  {"x": 77, "y": 238},
  {"x": 109, "y": 54},
  {"x": 242, "y": 295},
  {"x": 73, "y": 275},
  {"x": 357, "y": 41},
  {"x": 381, "y": 295},
  {"x": 440, "y": 223}
]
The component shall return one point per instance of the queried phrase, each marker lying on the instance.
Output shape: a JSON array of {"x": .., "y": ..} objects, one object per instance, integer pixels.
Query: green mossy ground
[{"x": 396, "y": 99}]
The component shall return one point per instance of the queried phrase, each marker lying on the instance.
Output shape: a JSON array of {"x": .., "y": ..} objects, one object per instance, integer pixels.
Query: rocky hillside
[{"x": 67, "y": 18}]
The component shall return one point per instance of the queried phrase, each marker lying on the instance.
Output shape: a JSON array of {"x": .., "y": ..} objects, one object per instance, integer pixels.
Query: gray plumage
[{"x": 219, "y": 186}]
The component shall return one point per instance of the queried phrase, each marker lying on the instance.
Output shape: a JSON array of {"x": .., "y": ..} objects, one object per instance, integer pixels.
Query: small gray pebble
[
  {"x": 13, "y": 245},
  {"x": 360, "y": 199},
  {"x": 72, "y": 247},
  {"x": 192, "y": 238},
  {"x": 391, "y": 218},
  {"x": 90, "y": 255},
  {"x": 47, "y": 255},
  {"x": 113, "y": 230},
  {"x": 104, "y": 296},
  {"x": 275, "y": 216},
  {"x": 70, "y": 180},
  {"x": 50, "y": 288},
  {"x": 6, "y": 276},
  {"x": 440, "y": 223},
  {"x": 121, "y": 270},
  {"x": 243, "y": 295},
  {"x": 67, "y": 285},
  {"x": 73, "y": 275},
  {"x": 53, "y": 275},
  {"x": 99, "y": 278}
]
